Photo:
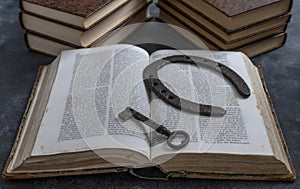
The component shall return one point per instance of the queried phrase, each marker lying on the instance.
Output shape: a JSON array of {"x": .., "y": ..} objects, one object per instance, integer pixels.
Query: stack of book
[
  {"x": 55, "y": 25},
  {"x": 253, "y": 27}
]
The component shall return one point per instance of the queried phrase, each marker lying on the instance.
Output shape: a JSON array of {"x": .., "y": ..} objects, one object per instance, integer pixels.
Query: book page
[
  {"x": 91, "y": 87},
  {"x": 240, "y": 131}
]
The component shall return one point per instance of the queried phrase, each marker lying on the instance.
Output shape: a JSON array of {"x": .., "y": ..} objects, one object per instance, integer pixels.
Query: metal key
[{"x": 129, "y": 113}]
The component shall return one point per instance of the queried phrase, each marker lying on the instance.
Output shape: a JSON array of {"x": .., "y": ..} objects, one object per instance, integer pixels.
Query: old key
[{"x": 171, "y": 136}]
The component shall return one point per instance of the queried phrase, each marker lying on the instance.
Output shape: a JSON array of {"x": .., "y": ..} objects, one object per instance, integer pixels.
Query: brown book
[
  {"x": 227, "y": 37},
  {"x": 216, "y": 40},
  {"x": 265, "y": 45},
  {"x": 71, "y": 126},
  {"x": 237, "y": 14},
  {"x": 81, "y": 13},
  {"x": 82, "y": 38},
  {"x": 251, "y": 50},
  {"x": 52, "y": 47}
]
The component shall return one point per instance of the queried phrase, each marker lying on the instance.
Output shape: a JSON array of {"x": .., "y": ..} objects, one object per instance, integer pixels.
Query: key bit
[{"x": 125, "y": 115}]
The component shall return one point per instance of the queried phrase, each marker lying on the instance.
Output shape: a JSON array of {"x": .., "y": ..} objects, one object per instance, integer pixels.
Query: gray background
[{"x": 18, "y": 68}]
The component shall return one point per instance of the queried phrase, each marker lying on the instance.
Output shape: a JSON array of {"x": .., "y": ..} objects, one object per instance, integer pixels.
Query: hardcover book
[
  {"x": 78, "y": 37},
  {"x": 71, "y": 125},
  {"x": 202, "y": 22},
  {"x": 251, "y": 50},
  {"x": 80, "y": 13},
  {"x": 218, "y": 41},
  {"x": 235, "y": 15},
  {"x": 49, "y": 46}
]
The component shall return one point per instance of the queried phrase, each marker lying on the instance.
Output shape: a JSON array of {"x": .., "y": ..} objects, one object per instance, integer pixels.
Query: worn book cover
[
  {"x": 82, "y": 8},
  {"x": 235, "y": 7}
]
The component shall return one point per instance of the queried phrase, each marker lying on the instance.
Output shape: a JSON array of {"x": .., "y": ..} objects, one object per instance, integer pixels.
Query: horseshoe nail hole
[
  {"x": 155, "y": 83},
  {"x": 163, "y": 91},
  {"x": 171, "y": 97}
]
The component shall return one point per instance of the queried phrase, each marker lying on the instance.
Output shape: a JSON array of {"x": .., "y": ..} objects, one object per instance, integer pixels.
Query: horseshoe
[{"x": 154, "y": 84}]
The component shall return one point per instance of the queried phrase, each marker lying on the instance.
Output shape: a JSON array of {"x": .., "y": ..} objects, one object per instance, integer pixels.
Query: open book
[{"x": 71, "y": 124}]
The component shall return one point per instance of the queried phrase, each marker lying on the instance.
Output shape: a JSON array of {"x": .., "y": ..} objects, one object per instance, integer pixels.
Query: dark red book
[{"x": 80, "y": 13}]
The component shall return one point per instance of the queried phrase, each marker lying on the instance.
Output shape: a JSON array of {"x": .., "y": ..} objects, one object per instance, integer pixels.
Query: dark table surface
[{"x": 18, "y": 68}]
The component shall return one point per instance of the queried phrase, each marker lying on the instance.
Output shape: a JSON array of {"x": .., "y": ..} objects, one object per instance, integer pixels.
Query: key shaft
[{"x": 129, "y": 112}]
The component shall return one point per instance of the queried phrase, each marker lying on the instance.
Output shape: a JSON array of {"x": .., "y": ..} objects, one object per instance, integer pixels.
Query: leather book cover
[
  {"x": 82, "y": 8},
  {"x": 235, "y": 7}
]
